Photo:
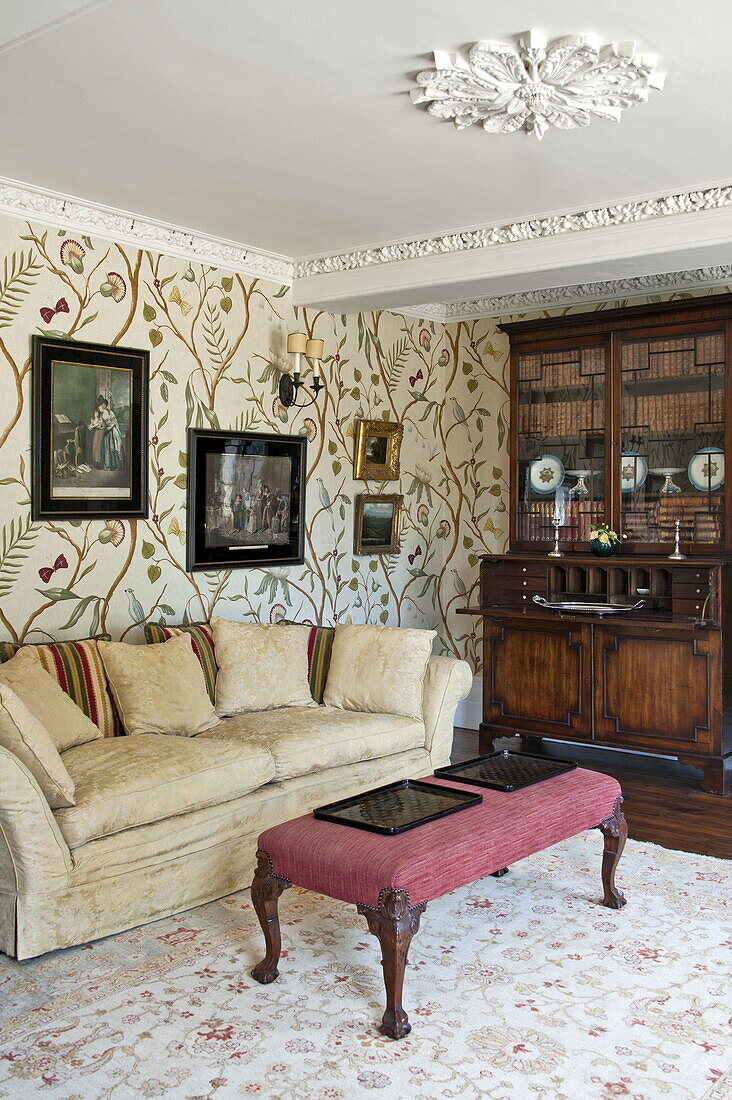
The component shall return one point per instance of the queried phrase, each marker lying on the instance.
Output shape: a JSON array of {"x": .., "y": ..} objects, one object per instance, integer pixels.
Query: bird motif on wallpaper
[
  {"x": 460, "y": 415},
  {"x": 459, "y": 583},
  {"x": 134, "y": 606},
  {"x": 326, "y": 501}
]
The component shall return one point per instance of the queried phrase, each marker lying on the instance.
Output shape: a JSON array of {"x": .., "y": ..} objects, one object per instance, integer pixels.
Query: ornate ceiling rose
[{"x": 534, "y": 84}]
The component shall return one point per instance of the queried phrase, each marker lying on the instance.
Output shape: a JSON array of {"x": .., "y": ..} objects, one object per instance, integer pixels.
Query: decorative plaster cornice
[
  {"x": 22, "y": 200},
  {"x": 600, "y": 217},
  {"x": 576, "y": 294},
  {"x": 535, "y": 84},
  {"x": 25, "y": 201}
]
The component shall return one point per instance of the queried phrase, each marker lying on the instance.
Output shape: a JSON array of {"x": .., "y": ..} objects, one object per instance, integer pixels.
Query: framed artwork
[
  {"x": 246, "y": 499},
  {"x": 88, "y": 430},
  {"x": 377, "y": 450},
  {"x": 378, "y": 524}
]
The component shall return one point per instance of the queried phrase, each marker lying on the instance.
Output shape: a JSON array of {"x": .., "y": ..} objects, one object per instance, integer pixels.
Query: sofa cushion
[
  {"x": 128, "y": 781},
  {"x": 78, "y": 669},
  {"x": 311, "y": 739},
  {"x": 261, "y": 666},
  {"x": 202, "y": 641},
  {"x": 28, "y": 739},
  {"x": 160, "y": 688},
  {"x": 379, "y": 668},
  {"x": 48, "y": 703},
  {"x": 320, "y": 644}
]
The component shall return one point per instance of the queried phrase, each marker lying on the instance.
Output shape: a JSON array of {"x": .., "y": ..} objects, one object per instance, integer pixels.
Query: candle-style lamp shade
[
  {"x": 314, "y": 349},
  {"x": 299, "y": 344}
]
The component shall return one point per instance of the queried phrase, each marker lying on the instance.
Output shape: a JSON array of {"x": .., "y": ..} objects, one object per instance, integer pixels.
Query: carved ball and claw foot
[
  {"x": 266, "y": 890},
  {"x": 394, "y": 923},
  {"x": 615, "y": 831}
]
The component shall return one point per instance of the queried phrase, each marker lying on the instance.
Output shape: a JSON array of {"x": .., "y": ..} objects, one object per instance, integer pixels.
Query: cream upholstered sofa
[{"x": 163, "y": 823}]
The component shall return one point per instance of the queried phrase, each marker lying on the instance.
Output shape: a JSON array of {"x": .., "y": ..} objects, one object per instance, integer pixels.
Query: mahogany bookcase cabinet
[{"x": 623, "y": 417}]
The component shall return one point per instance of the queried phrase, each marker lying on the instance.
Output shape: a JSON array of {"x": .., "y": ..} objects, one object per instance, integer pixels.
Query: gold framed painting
[
  {"x": 378, "y": 443},
  {"x": 378, "y": 523}
]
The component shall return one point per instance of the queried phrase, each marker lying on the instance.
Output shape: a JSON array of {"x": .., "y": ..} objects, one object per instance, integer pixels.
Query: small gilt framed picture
[
  {"x": 377, "y": 450},
  {"x": 378, "y": 524}
]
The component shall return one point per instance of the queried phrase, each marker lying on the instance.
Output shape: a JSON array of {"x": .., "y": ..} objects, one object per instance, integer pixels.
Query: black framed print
[
  {"x": 89, "y": 430},
  {"x": 246, "y": 499}
]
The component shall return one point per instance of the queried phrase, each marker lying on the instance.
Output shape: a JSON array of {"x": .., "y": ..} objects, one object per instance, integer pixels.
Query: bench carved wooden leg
[
  {"x": 394, "y": 924},
  {"x": 266, "y": 889},
  {"x": 615, "y": 831}
]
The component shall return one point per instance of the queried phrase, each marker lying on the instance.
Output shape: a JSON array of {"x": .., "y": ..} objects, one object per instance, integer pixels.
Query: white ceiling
[{"x": 287, "y": 126}]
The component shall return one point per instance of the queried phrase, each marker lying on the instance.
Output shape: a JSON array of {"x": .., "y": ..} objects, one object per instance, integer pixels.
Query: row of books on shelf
[
  {"x": 659, "y": 412},
  {"x": 668, "y": 413},
  {"x": 700, "y": 522},
  {"x": 650, "y": 359},
  {"x": 561, "y": 417},
  {"x": 656, "y": 523},
  {"x": 564, "y": 372},
  {"x": 536, "y": 518},
  {"x": 674, "y": 358}
]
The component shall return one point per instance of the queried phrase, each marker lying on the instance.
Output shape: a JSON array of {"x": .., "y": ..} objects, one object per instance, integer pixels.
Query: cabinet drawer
[
  {"x": 691, "y": 607},
  {"x": 531, "y": 571},
  {"x": 687, "y": 590}
]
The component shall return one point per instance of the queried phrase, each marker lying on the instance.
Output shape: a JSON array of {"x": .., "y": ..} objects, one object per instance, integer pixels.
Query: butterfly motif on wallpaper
[
  {"x": 185, "y": 307},
  {"x": 415, "y": 378},
  {"x": 48, "y": 314},
  {"x": 412, "y": 557},
  {"x": 48, "y": 570}
]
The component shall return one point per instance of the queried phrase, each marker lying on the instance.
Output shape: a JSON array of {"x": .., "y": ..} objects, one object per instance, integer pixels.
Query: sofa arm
[
  {"x": 446, "y": 683},
  {"x": 34, "y": 856}
]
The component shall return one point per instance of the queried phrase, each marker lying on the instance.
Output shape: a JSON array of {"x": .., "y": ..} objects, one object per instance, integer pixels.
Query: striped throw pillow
[
  {"x": 320, "y": 645},
  {"x": 77, "y": 668},
  {"x": 202, "y": 643}
]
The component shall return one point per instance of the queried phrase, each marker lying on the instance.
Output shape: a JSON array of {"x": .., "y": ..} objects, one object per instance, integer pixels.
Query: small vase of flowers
[{"x": 603, "y": 541}]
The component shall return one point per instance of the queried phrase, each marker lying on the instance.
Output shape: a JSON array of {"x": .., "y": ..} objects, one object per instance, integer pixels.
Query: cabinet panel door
[
  {"x": 656, "y": 689},
  {"x": 537, "y": 677}
]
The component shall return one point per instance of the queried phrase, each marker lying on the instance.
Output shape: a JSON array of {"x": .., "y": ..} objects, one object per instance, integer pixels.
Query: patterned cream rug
[{"x": 517, "y": 987}]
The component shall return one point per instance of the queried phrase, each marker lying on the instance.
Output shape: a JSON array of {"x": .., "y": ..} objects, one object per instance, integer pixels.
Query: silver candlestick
[
  {"x": 556, "y": 552},
  {"x": 677, "y": 555}
]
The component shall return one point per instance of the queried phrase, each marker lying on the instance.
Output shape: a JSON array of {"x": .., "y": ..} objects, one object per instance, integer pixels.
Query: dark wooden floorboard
[{"x": 663, "y": 800}]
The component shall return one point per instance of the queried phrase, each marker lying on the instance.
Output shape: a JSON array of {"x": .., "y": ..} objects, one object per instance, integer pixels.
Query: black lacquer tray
[
  {"x": 505, "y": 771},
  {"x": 396, "y": 807}
]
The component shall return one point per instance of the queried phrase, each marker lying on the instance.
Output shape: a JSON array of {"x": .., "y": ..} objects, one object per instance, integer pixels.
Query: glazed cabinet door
[
  {"x": 537, "y": 677},
  {"x": 658, "y": 690}
]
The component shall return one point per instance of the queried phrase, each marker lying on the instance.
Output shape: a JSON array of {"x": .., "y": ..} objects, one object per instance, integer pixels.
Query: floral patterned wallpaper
[{"x": 217, "y": 343}]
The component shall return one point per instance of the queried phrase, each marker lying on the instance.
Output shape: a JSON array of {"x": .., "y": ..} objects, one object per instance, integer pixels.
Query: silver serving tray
[{"x": 588, "y": 608}]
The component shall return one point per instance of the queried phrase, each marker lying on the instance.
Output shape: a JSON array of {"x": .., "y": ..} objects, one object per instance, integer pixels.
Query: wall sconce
[{"x": 298, "y": 345}]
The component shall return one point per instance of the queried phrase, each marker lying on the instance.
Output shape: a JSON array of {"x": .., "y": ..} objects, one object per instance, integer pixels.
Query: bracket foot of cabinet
[{"x": 717, "y": 774}]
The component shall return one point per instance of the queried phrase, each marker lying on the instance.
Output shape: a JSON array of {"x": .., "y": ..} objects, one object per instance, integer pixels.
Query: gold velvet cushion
[
  {"x": 260, "y": 666},
  {"x": 27, "y": 738},
  {"x": 66, "y": 723},
  {"x": 158, "y": 688},
  {"x": 379, "y": 669},
  {"x": 125, "y": 782}
]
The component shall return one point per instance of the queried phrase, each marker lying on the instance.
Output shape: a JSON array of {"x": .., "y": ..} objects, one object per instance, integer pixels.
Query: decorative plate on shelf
[
  {"x": 706, "y": 469},
  {"x": 633, "y": 471},
  {"x": 546, "y": 474}
]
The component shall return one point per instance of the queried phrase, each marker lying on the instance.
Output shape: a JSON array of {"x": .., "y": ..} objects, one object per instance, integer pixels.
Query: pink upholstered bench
[{"x": 390, "y": 879}]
